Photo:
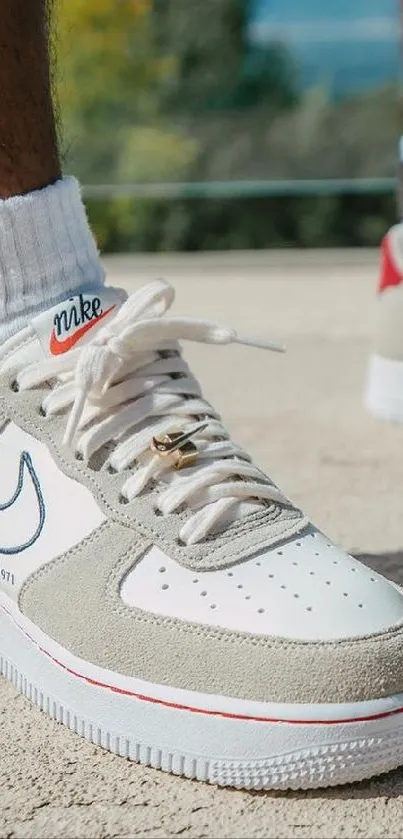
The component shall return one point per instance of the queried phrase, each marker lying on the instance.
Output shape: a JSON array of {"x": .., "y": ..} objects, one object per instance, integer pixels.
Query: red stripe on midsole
[{"x": 178, "y": 706}]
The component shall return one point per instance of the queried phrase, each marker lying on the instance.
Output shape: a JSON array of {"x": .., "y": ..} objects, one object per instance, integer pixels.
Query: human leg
[{"x": 46, "y": 248}]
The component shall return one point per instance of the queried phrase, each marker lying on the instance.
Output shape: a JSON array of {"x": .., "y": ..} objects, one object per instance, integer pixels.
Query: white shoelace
[{"x": 131, "y": 384}]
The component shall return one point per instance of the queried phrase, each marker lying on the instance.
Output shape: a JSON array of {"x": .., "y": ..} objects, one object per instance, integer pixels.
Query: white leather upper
[
  {"x": 306, "y": 589},
  {"x": 70, "y": 511}
]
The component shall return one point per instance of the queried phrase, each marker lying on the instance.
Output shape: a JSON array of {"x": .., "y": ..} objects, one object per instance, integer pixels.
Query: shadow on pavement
[{"x": 388, "y": 564}]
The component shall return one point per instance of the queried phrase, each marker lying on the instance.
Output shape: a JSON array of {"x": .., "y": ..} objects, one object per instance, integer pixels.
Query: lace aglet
[
  {"x": 260, "y": 343},
  {"x": 270, "y": 345}
]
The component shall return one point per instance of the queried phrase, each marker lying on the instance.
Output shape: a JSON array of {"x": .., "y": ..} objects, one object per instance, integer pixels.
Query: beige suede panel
[
  {"x": 244, "y": 538},
  {"x": 75, "y": 600},
  {"x": 388, "y": 331}
]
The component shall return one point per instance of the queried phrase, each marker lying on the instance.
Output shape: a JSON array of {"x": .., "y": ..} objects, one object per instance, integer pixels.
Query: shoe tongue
[{"x": 75, "y": 321}]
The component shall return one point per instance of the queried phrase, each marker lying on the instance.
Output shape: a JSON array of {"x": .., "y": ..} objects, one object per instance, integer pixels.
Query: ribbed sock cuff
[{"x": 47, "y": 252}]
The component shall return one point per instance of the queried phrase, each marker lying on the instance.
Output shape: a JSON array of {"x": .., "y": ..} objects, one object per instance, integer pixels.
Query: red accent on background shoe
[{"x": 390, "y": 275}]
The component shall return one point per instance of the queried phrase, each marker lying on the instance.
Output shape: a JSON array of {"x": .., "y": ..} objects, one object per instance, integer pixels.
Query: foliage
[
  {"x": 109, "y": 75},
  {"x": 167, "y": 90}
]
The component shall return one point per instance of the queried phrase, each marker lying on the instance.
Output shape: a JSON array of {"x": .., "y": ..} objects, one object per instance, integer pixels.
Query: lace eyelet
[
  {"x": 78, "y": 456},
  {"x": 157, "y": 511},
  {"x": 111, "y": 469},
  {"x": 123, "y": 499},
  {"x": 14, "y": 386},
  {"x": 181, "y": 543},
  {"x": 41, "y": 411}
]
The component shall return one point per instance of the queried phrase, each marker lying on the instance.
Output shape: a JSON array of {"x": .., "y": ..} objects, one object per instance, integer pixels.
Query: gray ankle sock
[{"x": 47, "y": 252}]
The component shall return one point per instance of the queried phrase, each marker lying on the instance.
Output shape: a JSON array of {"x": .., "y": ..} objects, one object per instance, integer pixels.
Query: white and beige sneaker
[
  {"x": 159, "y": 595},
  {"x": 384, "y": 387}
]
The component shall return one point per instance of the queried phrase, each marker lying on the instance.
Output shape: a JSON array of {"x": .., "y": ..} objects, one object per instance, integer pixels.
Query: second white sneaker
[{"x": 384, "y": 386}]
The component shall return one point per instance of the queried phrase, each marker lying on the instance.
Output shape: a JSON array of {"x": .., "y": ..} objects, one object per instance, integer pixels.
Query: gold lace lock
[{"x": 177, "y": 445}]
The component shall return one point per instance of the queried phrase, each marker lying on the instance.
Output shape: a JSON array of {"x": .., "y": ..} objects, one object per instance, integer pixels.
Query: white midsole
[
  {"x": 179, "y": 720},
  {"x": 384, "y": 388}
]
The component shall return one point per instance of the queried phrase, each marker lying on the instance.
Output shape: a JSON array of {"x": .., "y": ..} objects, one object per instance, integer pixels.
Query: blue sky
[
  {"x": 354, "y": 43},
  {"x": 332, "y": 19}
]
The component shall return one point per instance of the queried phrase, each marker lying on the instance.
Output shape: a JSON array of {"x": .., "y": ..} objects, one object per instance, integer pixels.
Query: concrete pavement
[{"x": 301, "y": 417}]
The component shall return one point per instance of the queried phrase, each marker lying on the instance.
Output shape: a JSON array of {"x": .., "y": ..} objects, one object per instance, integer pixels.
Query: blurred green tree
[
  {"x": 168, "y": 90},
  {"x": 223, "y": 89},
  {"x": 109, "y": 80},
  {"x": 216, "y": 66}
]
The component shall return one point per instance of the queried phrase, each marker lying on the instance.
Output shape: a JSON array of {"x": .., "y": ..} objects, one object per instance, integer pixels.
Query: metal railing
[{"x": 243, "y": 188}]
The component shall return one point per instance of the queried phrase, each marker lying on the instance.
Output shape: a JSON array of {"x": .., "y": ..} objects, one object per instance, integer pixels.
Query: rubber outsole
[
  {"x": 310, "y": 768},
  {"x": 241, "y": 753}
]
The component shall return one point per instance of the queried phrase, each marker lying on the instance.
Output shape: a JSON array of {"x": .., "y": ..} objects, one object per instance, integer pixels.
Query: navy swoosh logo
[{"x": 26, "y": 466}]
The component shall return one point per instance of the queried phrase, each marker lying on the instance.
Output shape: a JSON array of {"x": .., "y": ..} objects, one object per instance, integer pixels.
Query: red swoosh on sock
[{"x": 57, "y": 347}]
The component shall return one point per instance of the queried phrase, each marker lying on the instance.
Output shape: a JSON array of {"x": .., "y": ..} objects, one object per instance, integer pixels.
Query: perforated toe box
[{"x": 306, "y": 589}]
